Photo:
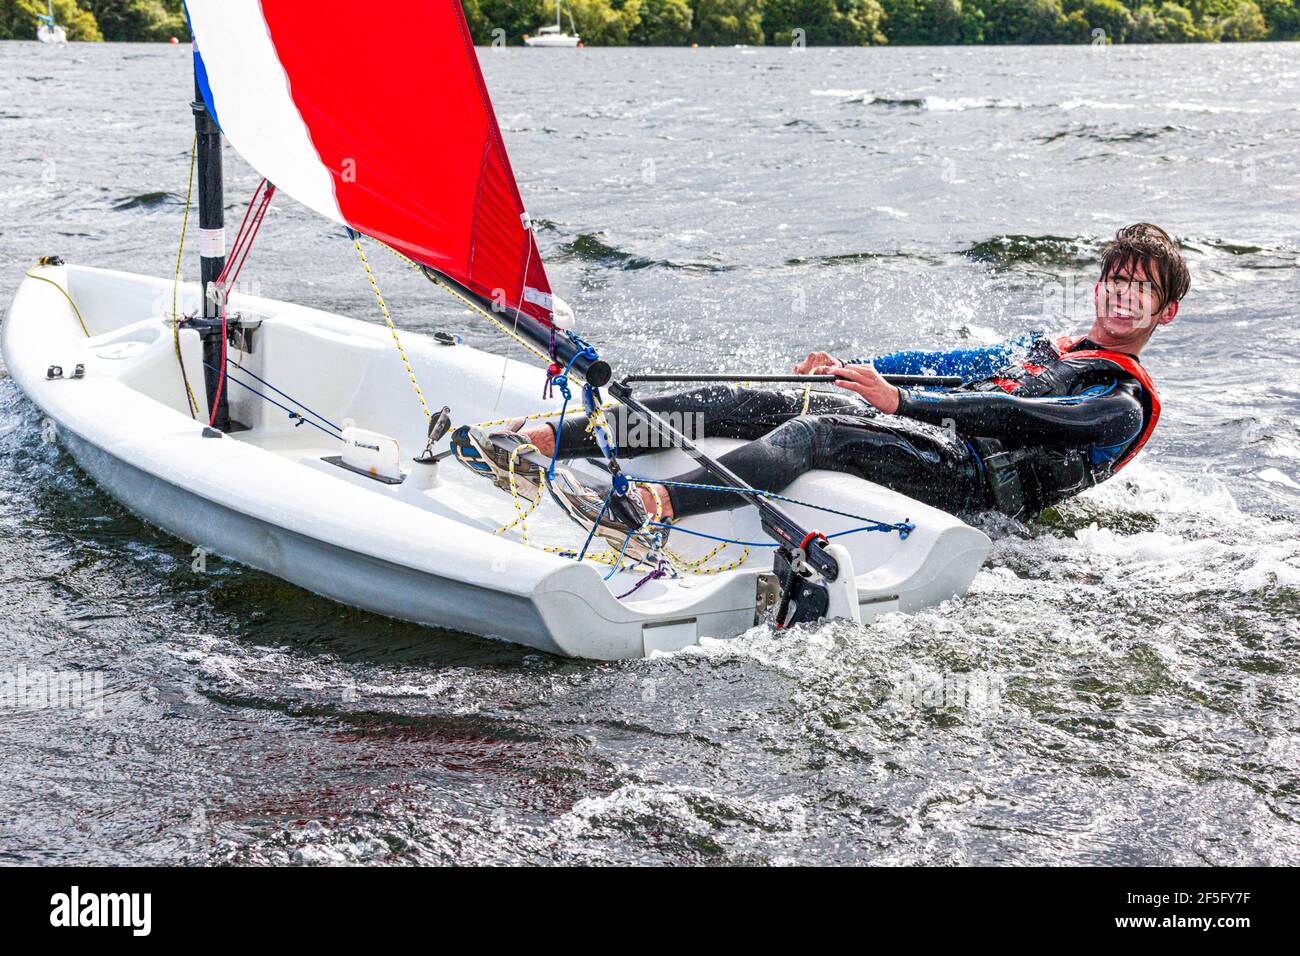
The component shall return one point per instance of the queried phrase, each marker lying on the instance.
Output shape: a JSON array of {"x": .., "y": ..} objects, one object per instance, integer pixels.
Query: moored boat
[
  {"x": 47, "y": 31},
  {"x": 554, "y": 36}
]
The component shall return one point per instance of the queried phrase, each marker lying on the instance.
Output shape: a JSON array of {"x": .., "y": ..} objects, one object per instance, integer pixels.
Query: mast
[
  {"x": 557, "y": 16},
  {"x": 212, "y": 249}
]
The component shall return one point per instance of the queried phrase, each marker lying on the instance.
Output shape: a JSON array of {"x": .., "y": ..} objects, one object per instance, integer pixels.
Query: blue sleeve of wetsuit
[{"x": 970, "y": 364}]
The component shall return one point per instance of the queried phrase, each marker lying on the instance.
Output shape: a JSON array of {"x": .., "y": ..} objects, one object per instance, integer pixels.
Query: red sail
[{"x": 395, "y": 106}]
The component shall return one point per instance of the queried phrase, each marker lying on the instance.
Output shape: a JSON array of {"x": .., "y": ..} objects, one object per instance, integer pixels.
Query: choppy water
[{"x": 1119, "y": 686}]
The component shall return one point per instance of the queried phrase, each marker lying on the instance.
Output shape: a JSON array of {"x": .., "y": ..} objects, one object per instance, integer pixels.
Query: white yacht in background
[
  {"x": 554, "y": 36},
  {"x": 49, "y": 31}
]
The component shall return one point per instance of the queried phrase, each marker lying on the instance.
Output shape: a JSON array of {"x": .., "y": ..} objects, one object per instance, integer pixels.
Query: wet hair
[{"x": 1149, "y": 245}]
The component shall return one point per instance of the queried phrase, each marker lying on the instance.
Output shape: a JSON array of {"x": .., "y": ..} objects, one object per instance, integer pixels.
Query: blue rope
[
  {"x": 292, "y": 413},
  {"x": 594, "y": 525},
  {"x": 904, "y": 528},
  {"x": 555, "y": 452},
  {"x": 561, "y": 382},
  {"x": 619, "y": 564},
  {"x": 763, "y": 544},
  {"x": 289, "y": 397},
  {"x": 714, "y": 537}
]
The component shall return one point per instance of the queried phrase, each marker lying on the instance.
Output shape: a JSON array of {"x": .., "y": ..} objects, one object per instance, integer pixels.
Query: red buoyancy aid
[
  {"x": 1125, "y": 363},
  {"x": 1131, "y": 366}
]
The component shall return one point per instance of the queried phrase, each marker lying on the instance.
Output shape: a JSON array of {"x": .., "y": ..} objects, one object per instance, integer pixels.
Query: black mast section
[{"x": 212, "y": 250}]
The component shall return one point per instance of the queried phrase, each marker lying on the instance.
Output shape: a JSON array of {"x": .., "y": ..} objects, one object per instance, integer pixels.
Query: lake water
[{"x": 1120, "y": 686}]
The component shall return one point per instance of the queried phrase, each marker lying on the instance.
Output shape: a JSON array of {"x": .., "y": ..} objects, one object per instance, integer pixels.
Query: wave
[
  {"x": 1067, "y": 252},
  {"x": 890, "y": 102},
  {"x": 1231, "y": 248},
  {"x": 1097, "y": 135},
  {"x": 589, "y": 247},
  {"x": 146, "y": 201},
  {"x": 1174, "y": 106},
  {"x": 840, "y": 258},
  {"x": 1008, "y": 250},
  {"x": 933, "y": 104},
  {"x": 939, "y": 104}
]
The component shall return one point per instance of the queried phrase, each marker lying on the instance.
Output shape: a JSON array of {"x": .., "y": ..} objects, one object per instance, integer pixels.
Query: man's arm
[
  {"x": 1106, "y": 416},
  {"x": 969, "y": 364}
]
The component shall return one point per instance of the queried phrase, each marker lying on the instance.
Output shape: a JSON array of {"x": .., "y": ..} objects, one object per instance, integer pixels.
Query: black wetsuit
[{"x": 1031, "y": 427}]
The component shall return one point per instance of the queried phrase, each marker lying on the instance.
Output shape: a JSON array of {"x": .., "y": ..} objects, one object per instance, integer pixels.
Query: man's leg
[
  {"x": 918, "y": 460},
  {"x": 713, "y": 411}
]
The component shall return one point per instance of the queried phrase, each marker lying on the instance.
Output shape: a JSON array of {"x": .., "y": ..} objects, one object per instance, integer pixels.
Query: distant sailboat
[
  {"x": 49, "y": 31},
  {"x": 554, "y": 36}
]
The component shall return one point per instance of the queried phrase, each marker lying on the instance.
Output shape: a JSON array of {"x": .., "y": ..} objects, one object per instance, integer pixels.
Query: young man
[{"x": 1035, "y": 422}]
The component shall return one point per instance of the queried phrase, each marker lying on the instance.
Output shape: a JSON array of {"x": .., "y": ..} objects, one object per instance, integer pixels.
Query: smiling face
[{"x": 1128, "y": 307}]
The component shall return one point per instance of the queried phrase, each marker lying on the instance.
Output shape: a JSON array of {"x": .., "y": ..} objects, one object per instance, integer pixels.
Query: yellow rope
[
  {"x": 522, "y": 516},
  {"x": 495, "y": 321},
  {"x": 388, "y": 320},
  {"x": 697, "y": 566},
  {"x": 807, "y": 398},
  {"x": 594, "y": 421},
  {"x": 515, "y": 336},
  {"x": 176, "y": 319},
  {"x": 475, "y": 307},
  {"x": 538, "y": 416},
  {"x": 611, "y": 558},
  {"x": 33, "y": 275}
]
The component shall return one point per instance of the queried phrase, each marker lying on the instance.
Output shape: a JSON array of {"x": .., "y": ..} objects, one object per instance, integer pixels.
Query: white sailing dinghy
[
  {"x": 294, "y": 440},
  {"x": 48, "y": 31},
  {"x": 554, "y": 37}
]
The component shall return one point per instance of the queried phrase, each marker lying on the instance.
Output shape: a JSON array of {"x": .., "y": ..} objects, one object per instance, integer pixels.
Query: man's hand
[
  {"x": 865, "y": 381},
  {"x": 817, "y": 360}
]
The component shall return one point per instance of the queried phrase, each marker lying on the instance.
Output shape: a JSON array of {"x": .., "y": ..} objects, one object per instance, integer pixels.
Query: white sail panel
[{"x": 249, "y": 96}]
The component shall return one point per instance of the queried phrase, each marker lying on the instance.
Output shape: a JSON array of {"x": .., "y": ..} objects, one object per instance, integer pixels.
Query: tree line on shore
[{"x": 762, "y": 22}]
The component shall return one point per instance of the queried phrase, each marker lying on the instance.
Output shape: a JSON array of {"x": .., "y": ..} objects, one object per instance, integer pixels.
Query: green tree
[
  {"x": 1243, "y": 24},
  {"x": 1024, "y": 21},
  {"x": 1171, "y": 23},
  {"x": 605, "y": 22},
  {"x": 1108, "y": 15},
  {"x": 933, "y": 21},
  {"x": 861, "y": 22},
  {"x": 663, "y": 23},
  {"x": 1205, "y": 12},
  {"x": 726, "y": 22},
  {"x": 18, "y": 20},
  {"x": 1178, "y": 23},
  {"x": 138, "y": 19},
  {"x": 1282, "y": 17},
  {"x": 515, "y": 18},
  {"x": 823, "y": 22}
]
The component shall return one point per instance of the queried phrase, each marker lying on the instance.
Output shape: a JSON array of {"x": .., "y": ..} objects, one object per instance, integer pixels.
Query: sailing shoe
[
  {"x": 489, "y": 455},
  {"x": 624, "y": 521}
]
